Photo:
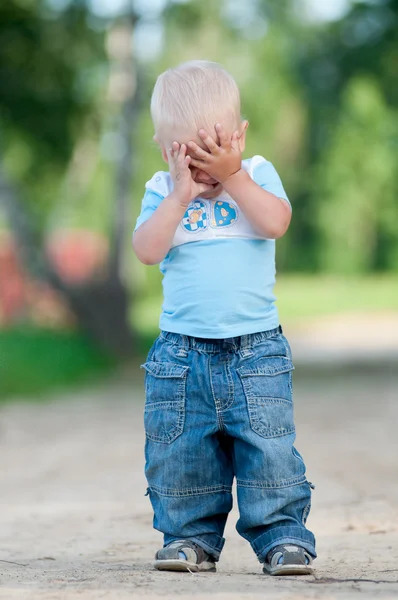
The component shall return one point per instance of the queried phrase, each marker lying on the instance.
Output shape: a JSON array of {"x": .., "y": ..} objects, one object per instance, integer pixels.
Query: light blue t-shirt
[{"x": 219, "y": 274}]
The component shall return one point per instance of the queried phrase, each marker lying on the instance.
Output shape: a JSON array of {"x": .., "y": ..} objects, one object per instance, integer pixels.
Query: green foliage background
[{"x": 321, "y": 99}]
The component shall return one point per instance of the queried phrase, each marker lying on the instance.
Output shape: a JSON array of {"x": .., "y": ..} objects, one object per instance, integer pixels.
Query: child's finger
[
  {"x": 199, "y": 164},
  {"x": 170, "y": 154},
  {"x": 222, "y": 136},
  {"x": 204, "y": 187},
  {"x": 197, "y": 150},
  {"x": 208, "y": 140},
  {"x": 182, "y": 153}
]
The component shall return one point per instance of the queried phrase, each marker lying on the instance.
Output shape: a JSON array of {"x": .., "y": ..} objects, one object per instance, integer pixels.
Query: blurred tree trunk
[{"x": 100, "y": 306}]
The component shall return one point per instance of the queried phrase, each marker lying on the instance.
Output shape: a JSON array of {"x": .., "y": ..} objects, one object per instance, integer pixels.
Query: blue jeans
[{"x": 215, "y": 410}]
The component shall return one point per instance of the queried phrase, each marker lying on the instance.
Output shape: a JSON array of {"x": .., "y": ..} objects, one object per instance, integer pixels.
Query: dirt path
[{"x": 75, "y": 523}]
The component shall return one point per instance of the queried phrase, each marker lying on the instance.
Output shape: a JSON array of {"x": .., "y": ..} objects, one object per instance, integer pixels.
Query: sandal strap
[
  {"x": 290, "y": 555},
  {"x": 192, "y": 551}
]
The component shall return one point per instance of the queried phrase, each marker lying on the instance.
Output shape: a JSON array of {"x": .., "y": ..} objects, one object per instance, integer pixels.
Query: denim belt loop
[
  {"x": 183, "y": 347},
  {"x": 246, "y": 350}
]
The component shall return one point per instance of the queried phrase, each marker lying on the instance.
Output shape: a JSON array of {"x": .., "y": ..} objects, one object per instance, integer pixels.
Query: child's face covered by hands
[
  {"x": 211, "y": 159},
  {"x": 199, "y": 175},
  {"x": 186, "y": 188},
  {"x": 218, "y": 158}
]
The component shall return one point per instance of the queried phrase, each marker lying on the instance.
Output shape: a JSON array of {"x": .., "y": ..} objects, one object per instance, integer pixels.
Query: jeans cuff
[
  {"x": 210, "y": 542},
  {"x": 284, "y": 535}
]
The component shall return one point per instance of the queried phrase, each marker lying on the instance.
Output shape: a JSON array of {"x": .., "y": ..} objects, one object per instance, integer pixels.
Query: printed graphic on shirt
[
  {"x": 195, "y": 218},
  {"x": 224, "y": 214}
]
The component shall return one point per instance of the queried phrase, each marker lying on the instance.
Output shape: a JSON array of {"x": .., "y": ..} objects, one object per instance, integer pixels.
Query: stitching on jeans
[
  {"x": 151, "y": 353},
  {"x": 289, "y": 355},
  {"x": 166, "y": 341},
  {"x": 231, "y": 388},
  {"x": 175, "y": 408},
  {"x": 257, "y": 338},
  {"x": 274, "y": 371},
  {"x": 191, "y": 491},
  {"x": 269, "y": 400},
  {"x": 300, "y": 479},
  {"x": 306, "y": 512},
  {"x": 255, "y": 422},
  {"x": 216, "y": 404}
]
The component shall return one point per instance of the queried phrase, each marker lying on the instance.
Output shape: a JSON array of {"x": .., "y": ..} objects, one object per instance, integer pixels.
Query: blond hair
[{"x": 195, "y": 95}]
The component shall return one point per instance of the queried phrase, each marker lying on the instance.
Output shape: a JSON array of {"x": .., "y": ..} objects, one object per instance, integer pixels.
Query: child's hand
[
  {"x": 185, "y": 187},
  {"x": 221, "y": 161}
]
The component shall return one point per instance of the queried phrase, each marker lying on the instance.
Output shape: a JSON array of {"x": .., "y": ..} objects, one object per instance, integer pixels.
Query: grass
[
  {"x": 303, "y": 297},
  {"x": 34, "y": 361}
]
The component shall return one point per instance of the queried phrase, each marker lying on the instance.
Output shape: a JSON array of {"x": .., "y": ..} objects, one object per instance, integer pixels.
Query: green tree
[
  {"x": 356, "y": 185},
  {"x": 52, "y": 77},
  {"x": 347, "y": 70}
]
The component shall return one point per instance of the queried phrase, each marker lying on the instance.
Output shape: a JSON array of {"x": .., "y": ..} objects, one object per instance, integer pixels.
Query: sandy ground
[{"x": 75, "y": 523}]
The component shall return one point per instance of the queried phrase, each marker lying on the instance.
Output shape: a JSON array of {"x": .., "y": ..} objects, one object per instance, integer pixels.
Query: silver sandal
[
  {"x": 288, "y": 559},
  {"x": 184, "y": 555}
]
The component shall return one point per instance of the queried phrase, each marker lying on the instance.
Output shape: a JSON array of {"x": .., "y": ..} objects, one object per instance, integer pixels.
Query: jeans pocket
[
  {"x": 164, "y": 413},
  {"x": 267, "y": 385}
]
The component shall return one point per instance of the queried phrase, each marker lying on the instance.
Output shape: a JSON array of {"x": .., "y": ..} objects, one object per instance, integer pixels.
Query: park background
[
  {"x": 78, "y": 312},
  {"x": 319, "y": 88}
]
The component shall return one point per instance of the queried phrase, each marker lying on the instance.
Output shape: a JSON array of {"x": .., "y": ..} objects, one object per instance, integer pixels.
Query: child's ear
[
  {"x": 242, "y": 135},
  {"x": 164, "y": 154}
]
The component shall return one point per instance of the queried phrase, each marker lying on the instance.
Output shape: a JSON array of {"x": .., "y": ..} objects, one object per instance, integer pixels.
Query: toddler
[{"x": 218, "y": 378}]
